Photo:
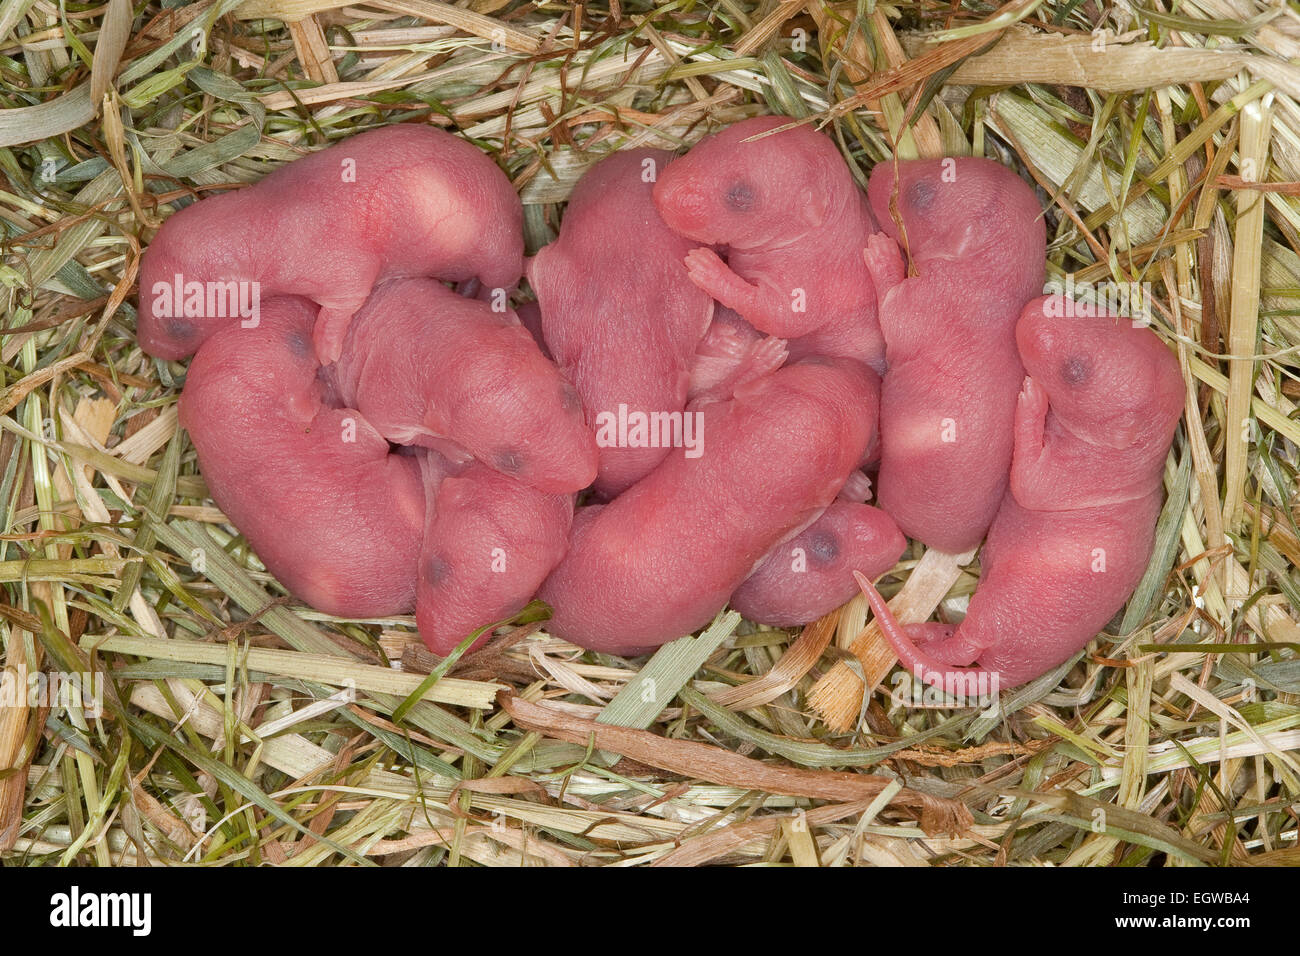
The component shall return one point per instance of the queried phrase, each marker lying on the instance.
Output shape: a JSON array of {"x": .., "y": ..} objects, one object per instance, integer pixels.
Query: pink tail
[{"x": 966, "y": 683}]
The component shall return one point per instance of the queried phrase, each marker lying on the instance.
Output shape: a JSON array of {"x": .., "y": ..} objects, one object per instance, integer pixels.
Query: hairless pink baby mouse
[
  {"x": 976, "y": 239},
  {"x": 489, "y": 542},
  {"x": 1074, "y": 533},
  {"x": 397, "y": 201},
  {"x": 339, "y": 523},
  {"x": 812, "y": 573},
  {"x": 617, "y": 311},
  {"x": 429, "y": 367},
  {"x": 661, "y": 559},
  {"x": 792, "y": 223}
]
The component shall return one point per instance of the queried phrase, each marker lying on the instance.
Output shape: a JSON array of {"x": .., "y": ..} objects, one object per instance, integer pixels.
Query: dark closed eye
[
  {"x": 179, "y": 329},
  {"x": 824, "y": 547},
  {"x": 436, "y": 570},
  {"x": 1075, "y": 370},
  {"x": 297, "y": 343},
  {"x": 920, "y": 194},
  {"x": 741, "y": 197}
]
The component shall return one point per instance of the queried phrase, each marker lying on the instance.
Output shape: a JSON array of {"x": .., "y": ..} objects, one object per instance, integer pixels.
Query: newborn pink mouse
[
  {"x": 793, "y": 225},
  {"x": 1074, "y": 533},
  {"x": 618, "y": 313},
  {"x": 812, "y": 573},
  {"x": 332, "y": 513},
  {"x": 489, "y": 542},
  {"x": 398, "y": 201},
  {"x": 977, "y": 243},
  {"x": 661, "y": 559},
  {"x": 429, "y": 367}
]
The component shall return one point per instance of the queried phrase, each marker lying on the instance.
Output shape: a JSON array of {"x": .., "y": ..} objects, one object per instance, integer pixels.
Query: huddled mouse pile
[{"x": 729, "y": 351}]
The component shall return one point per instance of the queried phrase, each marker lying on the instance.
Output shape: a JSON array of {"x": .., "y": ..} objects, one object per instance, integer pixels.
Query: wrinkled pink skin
[
  {"x": 661, "y": 559},
  {"x": 429, "y": 367},
  {"x": 1078, "y": 442},
  {"x": 1093, "y": 425},
  {"x": 977, "y": 244},
  {"x": 812, "y": 574},
  {"x": 731, "y": 353},
  {"x": 618, "y": 312},
  {"x": 338, "y": 522},
  {"x": 790, "y": 217},
  {"x": 423, "y": 203},
  {"x": 489, "y": 543}
]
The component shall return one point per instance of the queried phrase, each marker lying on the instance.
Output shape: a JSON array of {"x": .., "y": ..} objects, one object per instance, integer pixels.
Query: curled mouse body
[
  {"x": 331, "y": 512},
  {"x": 397, "y": 201},
  {"x": 1074, "y": 533},
  {"x": 429, "y": 367},
  {"x": 661, "y": 559},
  {"x": 793, "y": 224},
  {"x": 812, "y": 574},
  {"x": 617, "y": 310},
  {"x": 977, "y": 243},
  {"x": 489, "y": 542}
]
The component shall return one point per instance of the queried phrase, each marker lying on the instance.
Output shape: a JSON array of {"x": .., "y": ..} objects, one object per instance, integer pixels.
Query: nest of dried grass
[{"x": 239, "y": 727}]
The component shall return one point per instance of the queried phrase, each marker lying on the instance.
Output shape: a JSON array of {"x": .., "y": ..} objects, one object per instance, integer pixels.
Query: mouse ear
[
  {"x": 814, "y": 204},
  {"x": 1128, "y": 428}
]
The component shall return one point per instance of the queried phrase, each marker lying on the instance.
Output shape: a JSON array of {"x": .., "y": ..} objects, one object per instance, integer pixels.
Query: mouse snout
[
  {"x": 682, "y": 203},
  {"x": 1042, "y": 336},
  {"x": 568, "y": 465},
  {"x": 557, "y": 455}
]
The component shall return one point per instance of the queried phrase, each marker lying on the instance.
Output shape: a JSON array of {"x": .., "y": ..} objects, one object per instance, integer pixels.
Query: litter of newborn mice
[{"x": 724, "y": 354}]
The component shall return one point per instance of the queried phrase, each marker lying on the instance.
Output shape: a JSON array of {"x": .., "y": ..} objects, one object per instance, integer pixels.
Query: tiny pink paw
[
  {"x": 767, "y": 356},
  {"x": 1032, "y": 401},
  {"x": 329, "y": 332},
  {"x": 930, "y": 636},
  {"x": 885, "y": 262},
  {"x": 857, "y": 487},
  {"x": 708, "y": 271},
  {"x": 723, "y": 342}
]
